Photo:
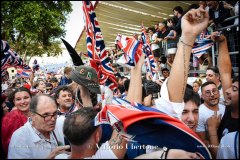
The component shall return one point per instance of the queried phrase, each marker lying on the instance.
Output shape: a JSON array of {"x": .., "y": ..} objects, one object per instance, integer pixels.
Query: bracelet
[
  {"x": 164, "y": 153},
  {"x": 180, "y": 40},
  {"x": 212, "y": 135}
]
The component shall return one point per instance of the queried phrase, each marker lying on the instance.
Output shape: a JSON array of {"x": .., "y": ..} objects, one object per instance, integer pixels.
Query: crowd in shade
[{"x": 134, "y": 101}]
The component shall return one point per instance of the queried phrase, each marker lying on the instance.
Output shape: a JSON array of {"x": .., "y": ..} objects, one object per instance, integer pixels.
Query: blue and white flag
[{"x": 149, "y": 126}]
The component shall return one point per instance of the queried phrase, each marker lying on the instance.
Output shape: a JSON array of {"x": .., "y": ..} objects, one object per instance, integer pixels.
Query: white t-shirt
[
  {"x": 154, "y": 46},
  {"x": 205, "y": 113},
  {"x": 26, "y": 143},
  {"x": 104, "y": 152},
  {"x": 221, "y": 98},
  {"x": 227, "y": 148},
  {"x": 163, "y": 103}
]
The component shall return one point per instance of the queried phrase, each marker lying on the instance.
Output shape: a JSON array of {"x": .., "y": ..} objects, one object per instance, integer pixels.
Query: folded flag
[
  {"x": 200, "y": 47},
  {"x": 149, "y": 126},
  {"x": 202, "y": 44},
  {"x": 97, "y": 53},
  {"x": 132, "y": 49},
  {"x": 22, "y": 73}
]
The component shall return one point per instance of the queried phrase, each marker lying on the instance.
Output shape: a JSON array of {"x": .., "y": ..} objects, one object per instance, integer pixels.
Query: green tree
[{"x": 33, "y": 28}]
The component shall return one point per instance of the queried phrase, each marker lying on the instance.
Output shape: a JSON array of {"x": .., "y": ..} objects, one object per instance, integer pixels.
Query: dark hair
[
  {"x": 173, "y": 20},
  {"x": 11, "y": 96},
  {"x": 151, "y": 87},
  {"x": 206, "y": 84},
  {"x": 49, "y": 85},
  {"x": 126, "y": 84},
  {"x": 163, "y": 59},
  {"x": 152, "y": 29},
  {"x": 235, "y": 79},
  {"x": 93, "y": 97},
  {"x": 189, "y": 86},
  {"x": 53, "y": 79},
  {"x": 62, "y": 88},
  {"x": 190, "y": 95},
  {"x": 78, "y": 126},
  {"x": 35, "y": 100},
  {"x": 165, "y": 69},
  {"x": 179, "y": 9},
  {"x": 214, "y": 69},
  {"x": 193, "y": 6}
]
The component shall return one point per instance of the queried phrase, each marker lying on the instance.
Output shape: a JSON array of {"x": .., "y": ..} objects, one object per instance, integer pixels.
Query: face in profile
[{"x": 232, "y": 95}]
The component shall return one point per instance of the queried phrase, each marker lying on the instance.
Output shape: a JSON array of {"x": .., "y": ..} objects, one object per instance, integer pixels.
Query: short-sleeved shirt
[
  {"x": 104, "y": 152},
  {"x": 28, "y": 143},
  {"x": 205, "y": 113},
  {"x": 153, "y": 38},
  {"x": 227, "y": 148},
  {"x": 163, "y": 103},
  {"x": 162, "y": 35}
]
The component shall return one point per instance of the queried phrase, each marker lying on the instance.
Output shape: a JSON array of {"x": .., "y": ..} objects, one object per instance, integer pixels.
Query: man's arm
[
  {"x": 118, "y": 144},
  {"x": 172, "y": 154},
  {"x": 212, "y": 125},
  {"x": 85, "y": 95},
  {"x": 192, "y": 23},
  {"x": 224, "y": 62},
  {"x": 135, "y": 86}
]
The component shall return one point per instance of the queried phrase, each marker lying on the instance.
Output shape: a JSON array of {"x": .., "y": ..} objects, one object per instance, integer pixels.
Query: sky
[{"x": 75, "y": 23}]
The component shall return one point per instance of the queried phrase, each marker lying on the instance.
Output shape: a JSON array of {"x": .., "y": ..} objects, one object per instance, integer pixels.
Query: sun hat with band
[{"x": 87, "y": 77}]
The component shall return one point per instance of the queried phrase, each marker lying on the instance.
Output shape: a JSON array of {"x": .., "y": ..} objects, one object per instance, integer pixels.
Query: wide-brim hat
[{"x": 87, "y": 77}]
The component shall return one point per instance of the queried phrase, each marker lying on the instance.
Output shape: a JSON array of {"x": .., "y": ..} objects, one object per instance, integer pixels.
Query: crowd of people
[{"x": 53, "y": 118}]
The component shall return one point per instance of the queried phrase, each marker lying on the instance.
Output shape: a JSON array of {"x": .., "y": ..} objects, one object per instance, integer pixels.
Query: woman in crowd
[
  {"x": 196, "y": 85},
  {"x": 13, "y": 120}
]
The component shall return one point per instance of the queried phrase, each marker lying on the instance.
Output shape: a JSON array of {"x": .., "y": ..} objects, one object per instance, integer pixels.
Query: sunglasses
[{"x": 48, "y": 89}]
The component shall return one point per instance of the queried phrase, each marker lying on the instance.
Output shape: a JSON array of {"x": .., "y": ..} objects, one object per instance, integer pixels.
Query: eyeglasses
[
  {"x": 48, "y": 117},
  {"x": 209, "y": 92},
  {"x": 48, "y": 89}
]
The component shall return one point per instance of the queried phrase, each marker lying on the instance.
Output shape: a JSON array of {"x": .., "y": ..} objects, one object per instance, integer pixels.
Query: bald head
[{"x": 41, "y": 101}]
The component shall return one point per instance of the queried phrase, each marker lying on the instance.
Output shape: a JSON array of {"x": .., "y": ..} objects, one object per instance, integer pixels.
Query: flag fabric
[
  {"x": 149, "y": 126},
  {"x": 10, "y": 59},
  {"x": 200, "y": 47},
  {"x": 97, "y": 53},
  {"x": 202, "y": 44},
  {"x": 149, "y": 60},
  {"x": 23, "y": 73},
  {"x": 132, "y": 49}
]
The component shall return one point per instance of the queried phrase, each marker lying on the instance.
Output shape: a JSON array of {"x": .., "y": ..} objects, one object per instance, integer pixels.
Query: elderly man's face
[
  {"x": 45, "y": 118},
  {"x": 161, "y": 26}
]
